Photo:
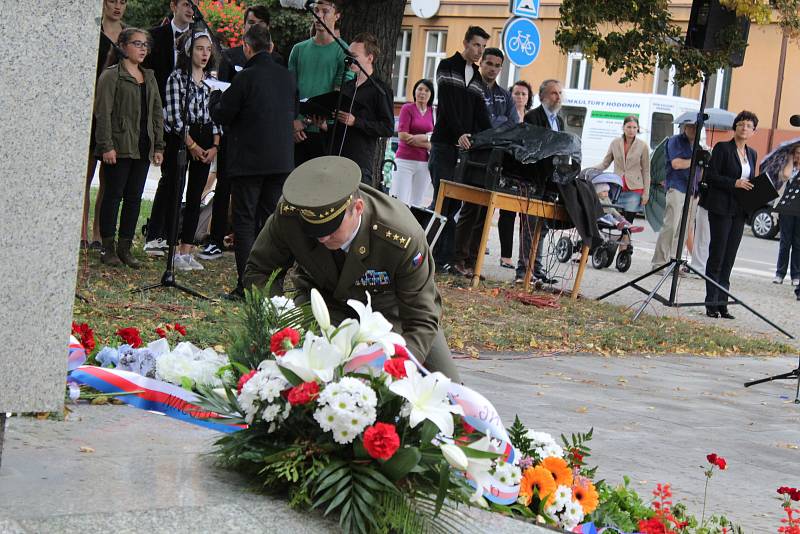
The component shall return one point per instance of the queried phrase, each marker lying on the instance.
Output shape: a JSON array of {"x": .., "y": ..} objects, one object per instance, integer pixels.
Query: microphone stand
[
  {"x": 168, "y": 277},
  {"x": 348, "y": 60}
]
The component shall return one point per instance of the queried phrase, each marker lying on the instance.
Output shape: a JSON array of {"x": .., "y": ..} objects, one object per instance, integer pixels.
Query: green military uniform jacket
[{"x": 389, "y": 257}]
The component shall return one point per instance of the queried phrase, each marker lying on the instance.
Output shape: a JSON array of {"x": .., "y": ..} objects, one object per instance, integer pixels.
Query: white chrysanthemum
[
  {"x": 553, "y": 511},
  {"x": 544, "y": 445},
  {"x": 264, "y": 387},
  {"x": 573, "y": 513},
  {"x": 507, "y": 474},
  {"x": 282, "y": 304},
  {"x": 270, "y": 412},
  {"x": 346, "y": 408},
  {"x": 562, "y": 496}
]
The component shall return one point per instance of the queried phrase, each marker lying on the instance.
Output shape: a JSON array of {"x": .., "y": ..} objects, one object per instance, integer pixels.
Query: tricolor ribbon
[{"x": 156, "y": 396}]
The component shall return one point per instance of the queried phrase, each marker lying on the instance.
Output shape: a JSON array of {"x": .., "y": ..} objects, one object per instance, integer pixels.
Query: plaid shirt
[{"x": 198, "y": 104}]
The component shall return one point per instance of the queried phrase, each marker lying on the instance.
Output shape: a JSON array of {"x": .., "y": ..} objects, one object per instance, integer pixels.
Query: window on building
[
  {"x": 579, "y": 71},
  {"x": 400, "y": 69},
  {"x": 435, "y": 51},
  {"x": 719, "y": 89},
  {"x": 664, "y": 81},
  {"x": 660, "y": 128}
]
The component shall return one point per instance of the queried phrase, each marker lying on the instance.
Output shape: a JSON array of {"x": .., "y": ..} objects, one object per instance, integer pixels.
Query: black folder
[
  {"x": 325, "y": 104},
  {"x": 762, "y": 193}
]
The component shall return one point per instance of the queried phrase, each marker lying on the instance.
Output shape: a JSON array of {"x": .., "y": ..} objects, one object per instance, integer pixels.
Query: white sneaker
[
  {"x": 777, "y": 280},
  {"x": 179, "y": 263},
  {"x": 156, "y": 247},
  {"x": 796, "y": 281},
  {"x": 192, "y": 262}
]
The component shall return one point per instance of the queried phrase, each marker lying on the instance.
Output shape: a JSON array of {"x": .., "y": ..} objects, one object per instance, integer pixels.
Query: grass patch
[{"x": 486, "y": 319}]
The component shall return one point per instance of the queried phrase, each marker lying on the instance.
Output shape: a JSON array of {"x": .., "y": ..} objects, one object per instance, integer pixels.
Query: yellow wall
[{"x": 753, "y": 85}]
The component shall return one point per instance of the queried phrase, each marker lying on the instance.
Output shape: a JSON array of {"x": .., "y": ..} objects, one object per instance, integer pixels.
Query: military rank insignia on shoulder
[
  {"x": 394, "y": 237},
  {"x": 284, "y": 208}
]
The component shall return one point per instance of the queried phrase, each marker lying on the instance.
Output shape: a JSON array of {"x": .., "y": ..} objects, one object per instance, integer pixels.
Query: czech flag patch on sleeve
[{"x": 416, "y": 261}]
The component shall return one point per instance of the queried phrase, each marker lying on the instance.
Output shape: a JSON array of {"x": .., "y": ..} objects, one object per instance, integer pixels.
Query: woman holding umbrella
[{"x": 732, "y": 167}]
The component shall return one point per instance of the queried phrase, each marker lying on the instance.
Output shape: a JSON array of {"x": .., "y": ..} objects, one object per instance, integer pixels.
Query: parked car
[{"x": 764, "y": 222}]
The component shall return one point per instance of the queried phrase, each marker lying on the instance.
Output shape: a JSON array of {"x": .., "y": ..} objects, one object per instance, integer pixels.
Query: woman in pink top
[{"x": 411, "y": 179}]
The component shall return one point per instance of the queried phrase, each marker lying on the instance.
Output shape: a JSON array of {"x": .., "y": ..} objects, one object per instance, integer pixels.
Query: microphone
[
  {"x": 794, "y": 120},
  {"x": 297, "y": 4}
]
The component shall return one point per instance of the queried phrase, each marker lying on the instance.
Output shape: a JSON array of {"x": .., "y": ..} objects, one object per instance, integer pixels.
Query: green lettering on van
[{"x": 613, "y": 115}]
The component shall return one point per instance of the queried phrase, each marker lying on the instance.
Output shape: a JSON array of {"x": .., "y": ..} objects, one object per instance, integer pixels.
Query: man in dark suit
[
  {"x": 162, "y": 60},
  {"x": 546, "y": 116},
  {"x": 233, "y": 59},
  {"x": 256, "y": 112}
]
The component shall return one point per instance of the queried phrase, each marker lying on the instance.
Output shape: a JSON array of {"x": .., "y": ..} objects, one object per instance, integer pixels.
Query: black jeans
[
  {"x": 442, "y": 165},
  {"x": 505, "y": 229},
  {"x": 726, "y": 234},
  {"x": 162, "y": 216},
  {"x": 469, "y": 229},
  {"x": 124, "y": 183},
  {"x": 254, "y": 200},
  {"x": 789, "y": 248},
  {"x": 314, "y": 146}
]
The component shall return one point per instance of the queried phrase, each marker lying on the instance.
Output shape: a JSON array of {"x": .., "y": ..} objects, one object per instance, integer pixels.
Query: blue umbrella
[{"x": 774, "y": 161}]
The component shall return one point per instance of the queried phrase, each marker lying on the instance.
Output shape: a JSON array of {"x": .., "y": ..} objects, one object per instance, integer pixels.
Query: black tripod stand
[
  {"x": 674, "y": 266},
  {"x": 791, "y": 375},
  {"x": 168, "y": 277}
]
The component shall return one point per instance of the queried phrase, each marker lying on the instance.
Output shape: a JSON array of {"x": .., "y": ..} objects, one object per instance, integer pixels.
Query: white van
[{"x": 596, "y": 117}]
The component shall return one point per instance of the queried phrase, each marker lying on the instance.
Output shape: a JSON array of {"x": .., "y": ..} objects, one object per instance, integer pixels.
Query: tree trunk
[{"x": 383, "y": 19}]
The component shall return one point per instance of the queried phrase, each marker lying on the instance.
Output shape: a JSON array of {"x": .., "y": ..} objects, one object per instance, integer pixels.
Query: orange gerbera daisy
[
  {"x": 558, "y": 467},
  {"x": 536, "y": 478},
  {"x": 585, "y": 493}
]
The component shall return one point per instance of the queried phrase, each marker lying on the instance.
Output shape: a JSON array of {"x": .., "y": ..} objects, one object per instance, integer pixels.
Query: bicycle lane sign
[{"x": 521, "y": 41}]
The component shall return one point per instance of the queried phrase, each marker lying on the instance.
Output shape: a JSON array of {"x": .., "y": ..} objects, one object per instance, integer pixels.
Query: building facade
[{"x": 753, "y": 86}]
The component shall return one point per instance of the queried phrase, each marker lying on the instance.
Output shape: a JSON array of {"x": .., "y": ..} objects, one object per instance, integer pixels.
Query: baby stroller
[{"x": 615, "y": 233}]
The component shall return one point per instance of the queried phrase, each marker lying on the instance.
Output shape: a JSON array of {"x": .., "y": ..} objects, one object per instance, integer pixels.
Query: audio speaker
[{"x": 707, "y": 19}]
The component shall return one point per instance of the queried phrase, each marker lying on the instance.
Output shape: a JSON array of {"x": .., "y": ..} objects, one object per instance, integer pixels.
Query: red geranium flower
[
  {"x": 180, "y": 329},
  {"x": 652, "y": 526},
  {"x": 303, "y": 394},
  {"x": 284, "y": 340},
  {"x": 243, "y": 380},
  {"x": 161, "y": 332},
  {"x": 381, "y": 440},
  {"x": 719, "y": 461},
  {"x": 85, "y": 335},
  {"x": 130, "y": 336}
]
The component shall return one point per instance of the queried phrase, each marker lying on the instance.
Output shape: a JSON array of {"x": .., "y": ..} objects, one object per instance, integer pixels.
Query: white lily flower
[
  {"x": 320, "y": 310},
  {"x": 479, "y": 469},
  {"x": 317, "y": 359},
  {"x": 454, "y": 456},
  {"x": 427, "y": 397},
  {"x": 374, "y": 328},
  {"x": 345, "y": 336}
]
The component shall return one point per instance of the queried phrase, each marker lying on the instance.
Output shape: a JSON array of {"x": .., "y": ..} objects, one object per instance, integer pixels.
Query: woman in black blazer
[{"x": 732, "y": 166}]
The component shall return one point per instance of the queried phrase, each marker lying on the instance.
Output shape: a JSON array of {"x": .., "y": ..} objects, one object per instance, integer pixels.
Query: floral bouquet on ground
[{"x": 344, "y": 419}]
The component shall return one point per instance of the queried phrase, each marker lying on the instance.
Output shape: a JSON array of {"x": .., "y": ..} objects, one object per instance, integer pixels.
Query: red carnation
[
  {"x": 719, "y": 461},
  {"x": 243, "y": 380},
  {"x": 180, "y": 329},
  {"x": 85, "y": 335},
  {"x": 793, "y": 493},
  {"x": 303, "y": 394},
  {"x": 395, "y": 367},
  {"x": 468, "y": 428},
  {"x": 284, "y": 340},
  {"x": 130, "y": 336},
  {"x": 381, "y": 441},
  {"x": 161, "y": 332},
  {"x": 400, "y": 352}
]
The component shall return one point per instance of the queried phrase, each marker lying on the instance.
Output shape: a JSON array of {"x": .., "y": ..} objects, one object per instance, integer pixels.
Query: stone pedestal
[{"x": 46, "y": 91}]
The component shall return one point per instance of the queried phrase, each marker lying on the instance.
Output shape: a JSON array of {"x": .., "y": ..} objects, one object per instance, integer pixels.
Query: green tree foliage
[
  {"x": 146, "y": 13},
  {"x": 631, "y": 36}
]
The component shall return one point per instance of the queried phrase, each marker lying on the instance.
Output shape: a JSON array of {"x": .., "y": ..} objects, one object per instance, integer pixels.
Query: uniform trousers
[{"x": 254, "y": 200}]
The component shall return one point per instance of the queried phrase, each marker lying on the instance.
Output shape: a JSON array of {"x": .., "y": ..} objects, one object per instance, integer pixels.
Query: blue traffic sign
[
  {"x": 525, "y": 8},
  {"x": 521, "y": 41}
]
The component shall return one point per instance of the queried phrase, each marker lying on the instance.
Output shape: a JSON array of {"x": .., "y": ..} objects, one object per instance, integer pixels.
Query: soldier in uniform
[{"x": 348, "y": 239}]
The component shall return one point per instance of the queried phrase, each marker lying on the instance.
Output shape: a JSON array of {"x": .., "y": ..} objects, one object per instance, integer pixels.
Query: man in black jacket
[
  {"x": 256, "y": 112},
  {"x": 461, "y": 113},
  {"x": 545, "y": 115},
  {"x": 372, "y": 116},
  {"x": 233, "y": 59},
  {"x": 162, "y": 60}
]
